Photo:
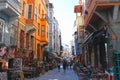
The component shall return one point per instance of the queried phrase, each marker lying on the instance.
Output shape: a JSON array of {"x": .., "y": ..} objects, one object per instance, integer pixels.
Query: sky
[{"x": 64, "y": 13}]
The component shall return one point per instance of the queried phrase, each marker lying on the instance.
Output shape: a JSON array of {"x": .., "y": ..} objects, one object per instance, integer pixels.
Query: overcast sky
[{"x": 64, "y": 13}]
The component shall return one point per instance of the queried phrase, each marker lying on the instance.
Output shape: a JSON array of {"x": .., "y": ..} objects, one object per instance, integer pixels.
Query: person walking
[
  {"x": 58, "y": 65},
  {"x": 71, "y": 64},
  {"x": 64, "y": 65}
]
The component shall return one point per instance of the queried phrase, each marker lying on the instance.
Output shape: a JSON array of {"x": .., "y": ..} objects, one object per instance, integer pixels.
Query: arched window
[{"x": 2, "y": 23}]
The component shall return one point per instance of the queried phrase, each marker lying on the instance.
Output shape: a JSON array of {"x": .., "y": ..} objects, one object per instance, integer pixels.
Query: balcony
[
  {"x": 44, "y": 41},
  {"x": 10, "y": 7},
  {"x": 44, "y": 17},
  {"x": 98, "y": 5}
]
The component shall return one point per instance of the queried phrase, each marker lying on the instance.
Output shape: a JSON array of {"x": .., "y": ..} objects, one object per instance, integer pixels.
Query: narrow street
[
  {"x": 55, "y": 75},
  {"x": 37, "y": 36}
]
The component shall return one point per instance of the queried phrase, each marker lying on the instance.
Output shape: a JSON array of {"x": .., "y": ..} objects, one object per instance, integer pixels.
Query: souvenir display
[
  {"x": 15, "y": 63},
  {"x": 3, "y": 75}
]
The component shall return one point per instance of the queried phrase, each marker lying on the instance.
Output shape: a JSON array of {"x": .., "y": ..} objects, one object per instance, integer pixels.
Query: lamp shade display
[{"x": 80, "y": 21}]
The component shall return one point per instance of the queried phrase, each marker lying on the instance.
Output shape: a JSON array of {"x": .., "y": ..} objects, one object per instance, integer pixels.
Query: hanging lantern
[{"x": 80, "y": 21}]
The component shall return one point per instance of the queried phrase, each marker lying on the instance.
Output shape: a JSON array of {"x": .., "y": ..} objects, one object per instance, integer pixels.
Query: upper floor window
[
  {"x": 23, "y": 9},
  {"x": 42, "y": 14},
  {"x": 35, "y": 14},
  {"x": 38, "y": 29},
  {"x": 13, "y": 35},
  {"x": 2, "y": 23},
  {"x": 47, "y": 32},
  {"x": 43, "y": 30},
  {"x": 29, "y": 11},
  {"x": 89, "y": 1},
  {"x": 50, "y": 15},
  {"x": 39, "y": 8}
]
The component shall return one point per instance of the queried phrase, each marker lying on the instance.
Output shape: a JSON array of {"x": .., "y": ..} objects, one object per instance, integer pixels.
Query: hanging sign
[{"x": 78, "y": 9}]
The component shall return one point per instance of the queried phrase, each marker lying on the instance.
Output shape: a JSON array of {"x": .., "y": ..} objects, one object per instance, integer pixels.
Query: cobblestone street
[{"x": 55, "y": 75}]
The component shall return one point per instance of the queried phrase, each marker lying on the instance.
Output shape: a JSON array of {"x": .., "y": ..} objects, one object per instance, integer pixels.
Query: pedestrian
[
  {"x": 71, "y": 63},
  {"x": 58, "y": 65},
  {"x": 64, "y": 65}
]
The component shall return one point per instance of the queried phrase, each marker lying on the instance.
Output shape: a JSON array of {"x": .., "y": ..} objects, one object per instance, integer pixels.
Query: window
[
  {"x": 13, "y": 35},
  {"x": 29, "y": 11},
  {"x": 22, "y": 34},
  {"x": 47, "y": 32},
  {"x": 38, "y": 29},
  {"x": 43, "y": 30},
  {"x": 89, "y": 1},
  {"x": 27, "y": 40},
  {"x": 2, "y": 22},
  {"x": 23, "y": 8},
  {"x": 51, "y": 15},
  {"x": 32, "y": 42},
  {"x": 42, "y": 14},
  {"x": 39, "y": 8},
  {"x": 35, "y": 14}
]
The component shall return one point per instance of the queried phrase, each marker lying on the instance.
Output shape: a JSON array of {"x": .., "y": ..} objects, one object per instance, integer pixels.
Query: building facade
[
  {"x": 51, "y": 31},
  {"x": 54, "y": 32},
  {"x": 9, "y": 22},
  {"x": 33, "y": 27},
  {"x": 101, "y": 36},
  {"x": 56, "y": 36}
]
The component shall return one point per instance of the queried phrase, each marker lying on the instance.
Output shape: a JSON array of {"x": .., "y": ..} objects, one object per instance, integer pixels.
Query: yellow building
[{"x": 33, "y": 27}]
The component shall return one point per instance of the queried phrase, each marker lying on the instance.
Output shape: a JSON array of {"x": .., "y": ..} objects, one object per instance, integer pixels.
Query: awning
[
  {"x": 53, "y": 54},
  {"x": 48, "y": 50},
  {"x": 59, "y": 58},
  {"x": 94, "y": 35}
]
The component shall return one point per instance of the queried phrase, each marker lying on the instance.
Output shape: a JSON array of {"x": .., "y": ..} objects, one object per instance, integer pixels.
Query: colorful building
[{"x": 33, "y": 27}]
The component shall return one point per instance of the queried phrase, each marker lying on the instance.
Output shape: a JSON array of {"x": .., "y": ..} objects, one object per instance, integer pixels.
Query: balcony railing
[{"x": 44, "y": 17}]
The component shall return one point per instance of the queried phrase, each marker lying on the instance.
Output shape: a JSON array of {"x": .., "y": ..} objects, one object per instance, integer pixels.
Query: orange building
[{"x": 33, "y": 27}]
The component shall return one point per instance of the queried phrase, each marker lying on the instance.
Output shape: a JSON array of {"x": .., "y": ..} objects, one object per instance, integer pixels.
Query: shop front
[{"x": 95, "y": 49}]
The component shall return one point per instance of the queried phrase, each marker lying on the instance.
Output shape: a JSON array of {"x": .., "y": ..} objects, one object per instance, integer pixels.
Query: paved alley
[{"x": 55, "y": 75}]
